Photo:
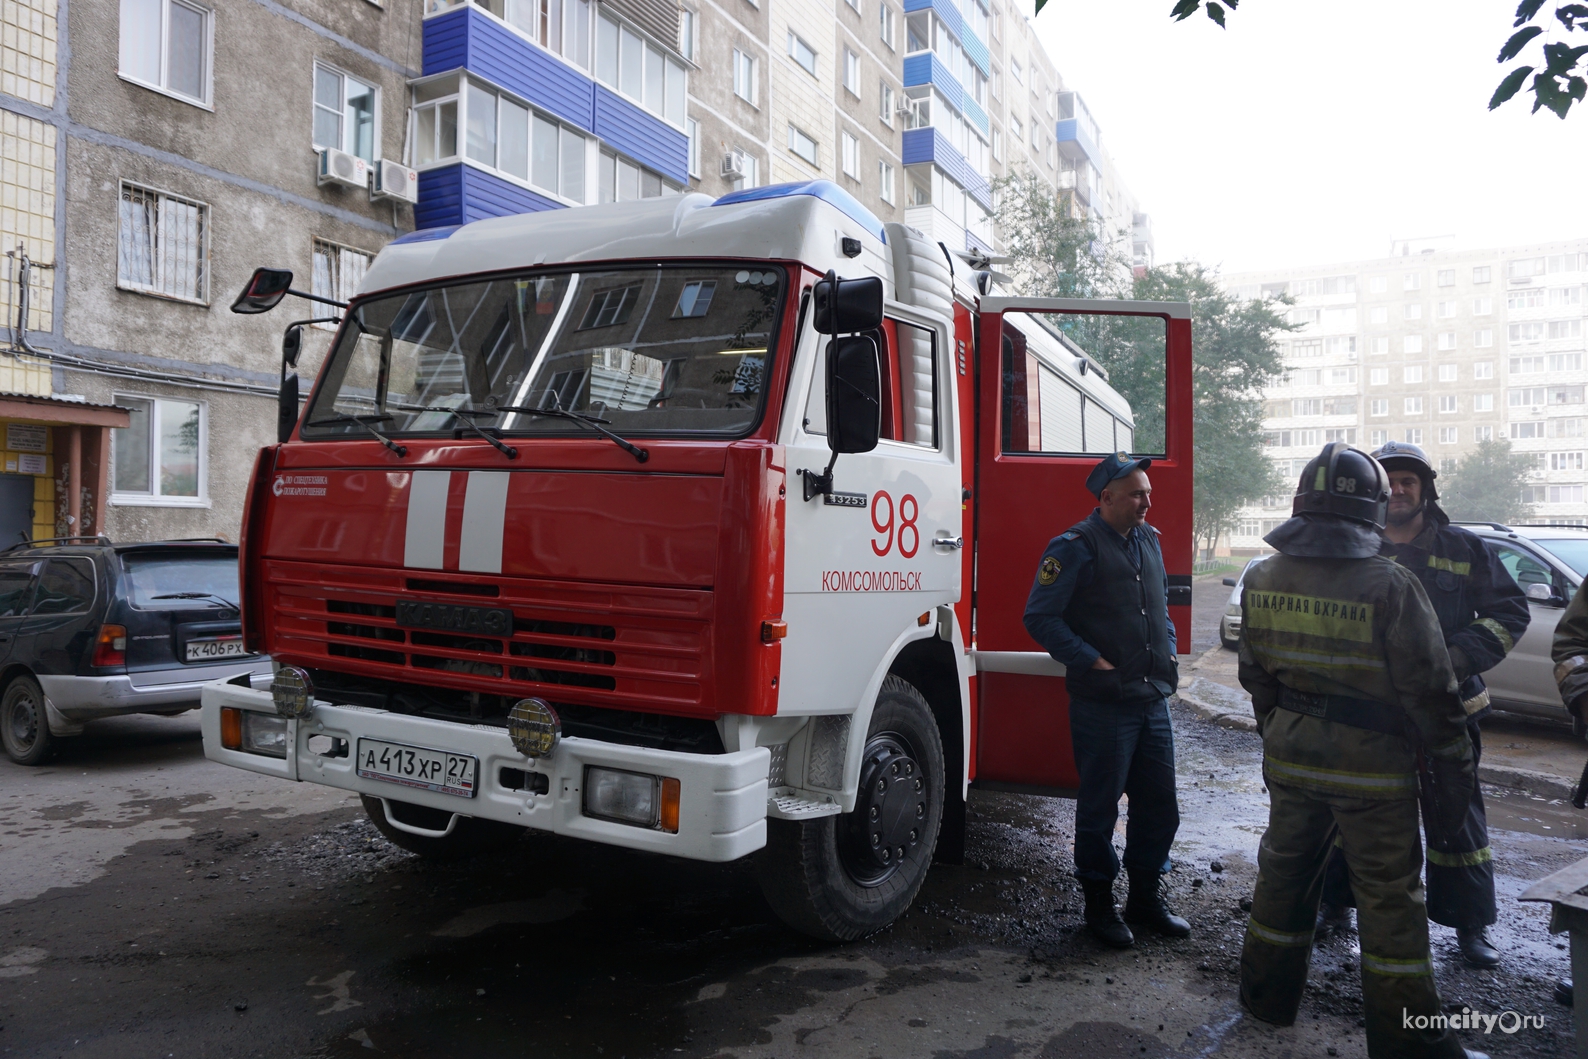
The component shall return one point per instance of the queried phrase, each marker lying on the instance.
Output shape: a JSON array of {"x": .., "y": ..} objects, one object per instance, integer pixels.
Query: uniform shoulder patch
[
  {"x": 1069, "y": 535},
  {"x": 1048, "y": 572}
]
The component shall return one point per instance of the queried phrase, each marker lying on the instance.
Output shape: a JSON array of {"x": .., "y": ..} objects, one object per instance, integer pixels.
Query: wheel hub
[
  {"x": 890, "y": 810},
  {"x": 23, "y": 722}
]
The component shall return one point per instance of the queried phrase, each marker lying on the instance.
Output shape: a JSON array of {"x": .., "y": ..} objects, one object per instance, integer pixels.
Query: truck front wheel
[
  {"x": 842, "y": 877},
  {"x": 448, "y": 840}
]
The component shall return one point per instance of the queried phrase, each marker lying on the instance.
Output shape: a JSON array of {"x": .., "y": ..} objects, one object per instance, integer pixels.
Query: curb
[{"x": 1540, "y": 783}]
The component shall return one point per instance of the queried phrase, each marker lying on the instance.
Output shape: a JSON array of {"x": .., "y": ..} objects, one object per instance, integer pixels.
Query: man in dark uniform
[
  {"x": 1350, "y": 682},
  {"x": 1100, "y": 606},
  {"x": 1482, "y": 612}
]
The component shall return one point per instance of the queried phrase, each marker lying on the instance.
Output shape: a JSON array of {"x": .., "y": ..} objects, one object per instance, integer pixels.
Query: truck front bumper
[{"x": 722, "y": 797}]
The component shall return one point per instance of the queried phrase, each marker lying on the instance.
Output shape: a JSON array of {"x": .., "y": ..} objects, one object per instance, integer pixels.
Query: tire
[
  {"x": 825, "y": 877},
  {"x": 470, "y": 836},
  {"x": 24, "y": 727}
]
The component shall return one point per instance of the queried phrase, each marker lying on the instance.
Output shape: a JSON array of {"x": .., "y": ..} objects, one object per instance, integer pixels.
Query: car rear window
[
  {"x": 176, "y": 582},
  {"x": 1569, "y": 550}
]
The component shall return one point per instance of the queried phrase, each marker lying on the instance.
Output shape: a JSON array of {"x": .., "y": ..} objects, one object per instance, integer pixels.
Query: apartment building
[{"x": 1439, "y": 347}]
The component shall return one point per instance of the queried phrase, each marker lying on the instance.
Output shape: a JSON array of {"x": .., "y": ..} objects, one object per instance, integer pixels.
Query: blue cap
[{"x": 1116, "y": 466}]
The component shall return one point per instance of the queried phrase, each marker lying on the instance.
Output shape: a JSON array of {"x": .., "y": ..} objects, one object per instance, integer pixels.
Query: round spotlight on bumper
[
  {"x": 293, "y": 692},
  {"x": 534, "y": 727}
]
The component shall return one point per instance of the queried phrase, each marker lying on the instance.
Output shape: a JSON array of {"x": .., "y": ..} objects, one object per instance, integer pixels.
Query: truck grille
[{"x": 618, "y": 646}]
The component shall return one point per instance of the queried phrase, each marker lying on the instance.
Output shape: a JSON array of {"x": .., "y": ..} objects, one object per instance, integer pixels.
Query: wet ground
[{"x": 154, "y": 904}]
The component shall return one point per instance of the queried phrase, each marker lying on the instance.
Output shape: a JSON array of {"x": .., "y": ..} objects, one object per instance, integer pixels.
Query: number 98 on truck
[{"x": 701, "y": 527}]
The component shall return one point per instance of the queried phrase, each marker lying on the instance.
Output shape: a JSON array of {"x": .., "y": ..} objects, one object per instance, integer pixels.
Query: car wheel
[
  {"x": 468, "y": 837},
  {"x": 842, "y": 877},
  {"x": 24, "y": 728}
]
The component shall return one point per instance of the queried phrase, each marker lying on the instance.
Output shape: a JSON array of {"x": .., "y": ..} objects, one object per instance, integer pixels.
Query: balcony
[{"x": 928, "y": 146}]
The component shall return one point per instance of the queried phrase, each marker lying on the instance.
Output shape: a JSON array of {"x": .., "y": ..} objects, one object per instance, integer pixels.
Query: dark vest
[{"x": 1123, "y": 613}]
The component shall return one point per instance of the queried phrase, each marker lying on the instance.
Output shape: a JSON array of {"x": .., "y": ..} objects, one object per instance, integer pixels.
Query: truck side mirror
[
  {"x": 854, "y": 394},
  {"x": 292, "y": 346},
  {"x": 287, "y": 408},
  {"x": 845, "y": 306},
  {"x": 265, "y": 289}
]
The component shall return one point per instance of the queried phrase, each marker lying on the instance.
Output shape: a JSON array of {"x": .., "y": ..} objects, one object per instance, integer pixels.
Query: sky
[{"x": 1308, "y": 133}]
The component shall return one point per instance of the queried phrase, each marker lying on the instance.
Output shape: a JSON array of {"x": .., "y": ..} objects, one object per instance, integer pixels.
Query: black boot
[
  {"x": 1146, "y": 905},
  {"x": 1102, "y": 918}
]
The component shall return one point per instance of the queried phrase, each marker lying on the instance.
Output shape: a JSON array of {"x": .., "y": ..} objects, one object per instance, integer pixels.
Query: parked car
[
  {"x": 1230, "y": 624},
  {"x": 92, "y": 629},
  {"x": 1549, "y": 562}
]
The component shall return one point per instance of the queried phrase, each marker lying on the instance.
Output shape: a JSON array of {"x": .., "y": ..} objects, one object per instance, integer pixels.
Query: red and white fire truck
[{"x": 700, "y": 527}]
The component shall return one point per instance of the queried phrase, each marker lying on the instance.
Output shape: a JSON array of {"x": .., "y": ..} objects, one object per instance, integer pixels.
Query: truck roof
[{"x": 803, "y": 222}]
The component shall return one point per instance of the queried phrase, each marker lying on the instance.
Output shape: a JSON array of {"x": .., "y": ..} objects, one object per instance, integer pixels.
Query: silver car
[
  {"x": 1230, "y": 624},
  {"x": 1549, "y": 562}
]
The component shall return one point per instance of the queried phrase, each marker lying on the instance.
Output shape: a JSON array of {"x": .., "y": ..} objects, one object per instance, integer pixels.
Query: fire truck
[{"x": 698, "y": 527}]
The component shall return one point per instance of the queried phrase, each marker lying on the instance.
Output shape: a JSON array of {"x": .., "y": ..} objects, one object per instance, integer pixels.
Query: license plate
[
  {"x": 417, "y": 766},
  {"x": 208, "y": 650}
]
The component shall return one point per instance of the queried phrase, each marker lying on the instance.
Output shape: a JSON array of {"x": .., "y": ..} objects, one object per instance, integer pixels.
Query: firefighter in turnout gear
[
  {"x": 1483, "y": 613},
  {"x": 1351, "y": 684}
]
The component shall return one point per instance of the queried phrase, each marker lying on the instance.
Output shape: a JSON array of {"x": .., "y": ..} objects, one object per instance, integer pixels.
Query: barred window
[
  {"x": 162, "y": 245},
  {"x": 338, "y": 270}
]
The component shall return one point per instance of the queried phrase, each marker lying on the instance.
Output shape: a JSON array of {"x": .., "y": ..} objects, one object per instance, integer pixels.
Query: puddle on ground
[{"x": 1517, "y": 811}]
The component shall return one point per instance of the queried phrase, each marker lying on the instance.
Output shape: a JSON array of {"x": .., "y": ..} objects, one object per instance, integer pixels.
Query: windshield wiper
[
  {"x": 199, "y": 595},
  {"x": 462, "y": 413},
  {"x": 367, "y": 423},
  {"x": 592, "y": 422}
]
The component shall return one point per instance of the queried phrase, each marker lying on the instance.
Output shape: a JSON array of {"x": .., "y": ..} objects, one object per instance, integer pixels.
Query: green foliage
[
  {"x": 1486, "y": 485},
  {"x": 1053, "y": 254},
  {"x": 1555, "y": 87}
]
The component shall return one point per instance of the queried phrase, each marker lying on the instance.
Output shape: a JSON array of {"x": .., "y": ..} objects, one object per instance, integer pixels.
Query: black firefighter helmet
[
  {"x": 1343, "y": 482},
  {"x": 1404, "y": 456}
]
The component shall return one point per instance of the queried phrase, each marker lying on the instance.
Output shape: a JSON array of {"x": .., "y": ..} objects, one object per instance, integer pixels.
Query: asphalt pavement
[{"x": 155, "y": 904}]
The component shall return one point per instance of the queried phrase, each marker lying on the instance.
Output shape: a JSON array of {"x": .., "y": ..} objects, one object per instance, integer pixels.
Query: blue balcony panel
[
  {"x": 446, "y": 41},
  {"x": 1075, "y": 142},
  {"x": 949, "y": 15},
  {"x": 646, "y": 139},
  {"x": 977, "y": 117},
  {"x": 928, "y": 69},
  {"x": 977, "y": 50},
  {"x": 467, "y": 38},
  {"x": 458, "y": 194},
  {"x": 929, "y": 145}
]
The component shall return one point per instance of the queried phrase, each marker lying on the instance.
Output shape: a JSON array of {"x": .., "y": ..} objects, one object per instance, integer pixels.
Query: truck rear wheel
[
  {"x": 842, "y": 877},
  {"x": 465, "y": 837}
]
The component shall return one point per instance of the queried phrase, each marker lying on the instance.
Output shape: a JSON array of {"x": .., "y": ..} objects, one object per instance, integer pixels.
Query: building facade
[{"x": 1439, "y": 347}]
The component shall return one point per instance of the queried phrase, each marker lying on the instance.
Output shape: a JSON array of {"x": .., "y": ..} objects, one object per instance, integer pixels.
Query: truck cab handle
[{"x": 952, "y": 543}]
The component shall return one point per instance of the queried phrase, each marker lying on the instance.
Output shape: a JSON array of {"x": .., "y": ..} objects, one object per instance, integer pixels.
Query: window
[
  {"x": 1345, "y": 434},
  {"x": 802, "y": 144},
  {"x": 1565, "y": 494},
  {"x": 158, "y": 458},
  {"x": 528, "y": 146},
  {"x": 1526, "y": 298},
  {"x": 852, "y": 73},
  {"x": 1562, "y": 296},
  {"x": 1447, "y": 435},
  {"x": 1016, "y": 72},
  {"x": 640, "y": 70},
  {"x": 1306, "y": 376},
  {"x": 885, "y": 17},
  {"x": 1412, "y": 311},
  {"x": 1378, "y": 407},
  {"x": 1378, "y": 284},
  {"x": 1530, "y": 395},
  {"x": 1565, "y": 362},
  {"x": 65, "y": 587},
  {"x": 1377, "y": 438},
  {"x": 166, "y": 45},
  {"x": 1565, "y": 395},
  {"x": 1526, "y": 431},
  {"x": 1447, "y": 404},
  {"x": 995, "y": 84},
  {"x": 1483, "y": 402},
  {"x": 1016, "y": 129},
  {"x": 688, "y": 33},
  {"x": 997, "y": 145},
  {"x": 1565, "y": 428},
  {"x": 1339, "y": 406},
  {"x": 1483, "y": 433},
  {"x": 1565, "y": 461},
  {"x": 1341, "y": 376},
  {"x": 608, "y": 308},
  {"x": 744, "y": 77},
  {"x": 1447, "y": 373},
  {"x": 1480, "y": 274},
  {"x": 1412, "y": 344},
  {"x": 695, "y": 299},
  {"x": 1483, "y": 369},
  {"x": 1336, "y": 346},
  {"x": 1412, "y": 281},
  {"x": 162, "y": 245},
  {"x": 1483, "y": 339},
  {"x": 885, "y": 104},
  {"x": 1447, "y": 464},
  {"x": 801, "y": 52},
  {"x": 1311, "y": 406},
  {"x": 851, "y": 155},
  {"x": 623, "y": 181},
  {"x": 692, "y": 127},
  {"x": 1378, "y": 377},
  {"x": 1565, "y": 329},
  {"x": 480, "y": 134},
  {"x": 1482, "y": 306},
  {"x": 1526, "y": 365},
  {"x": 344, "y": 113},
  {"x": 1524, "y": 268},
  {"x": 1412, "y": 374},
  {"x": 1310, "y": 347},
  {"x": 1414, "y": 406},
  {"x": 1379, "y": 346},
  {"x": 1447, "y": 341},
  {"x": 885, "y": 180},
  {"x": 338, "y": 270},
  {"x": 1448, "y": 309},
  {"x": 1529, "y": 332},
  {"x": 1414, "y": 435},
  {"x": 1446, "y": 277},
  {"x": 435, "y": 122},
  {"x": 1378, "y": 315}
]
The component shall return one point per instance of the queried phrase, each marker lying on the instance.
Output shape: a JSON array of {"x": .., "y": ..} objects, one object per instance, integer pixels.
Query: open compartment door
[{"x": 1061, "y": 383}]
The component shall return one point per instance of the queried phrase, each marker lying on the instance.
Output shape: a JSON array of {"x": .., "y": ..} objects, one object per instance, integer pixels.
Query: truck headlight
[
  {"x": 264, "y": 734},
  {"x": 631, "y": 798},
  {"x": 534, "y": 727},
  {"x": 293, "y": 692}
]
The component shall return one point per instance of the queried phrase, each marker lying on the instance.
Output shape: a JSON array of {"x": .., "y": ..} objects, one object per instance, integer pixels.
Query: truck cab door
[{"x": 1062, "y": 383}]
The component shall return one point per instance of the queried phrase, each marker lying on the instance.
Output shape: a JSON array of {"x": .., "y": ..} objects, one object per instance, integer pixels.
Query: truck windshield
[{"x": 668, "y": 350}]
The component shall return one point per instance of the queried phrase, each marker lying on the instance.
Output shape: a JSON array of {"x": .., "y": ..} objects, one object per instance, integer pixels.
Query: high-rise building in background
[
  {"x": 156, "y": 151},
  {"x": 1439, "y": 347}
]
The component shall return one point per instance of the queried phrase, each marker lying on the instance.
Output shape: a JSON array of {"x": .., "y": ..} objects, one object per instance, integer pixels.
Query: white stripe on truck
[
  {"x": 484, "y": 518},
  {"x": 425, "y": 543}
]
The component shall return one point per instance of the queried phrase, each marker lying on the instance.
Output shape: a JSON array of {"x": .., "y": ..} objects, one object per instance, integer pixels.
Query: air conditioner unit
[
  {"x": 393, "y": 181},
  {"x": 733, "y": 166},
  {"x": 339, "y": 167}
]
